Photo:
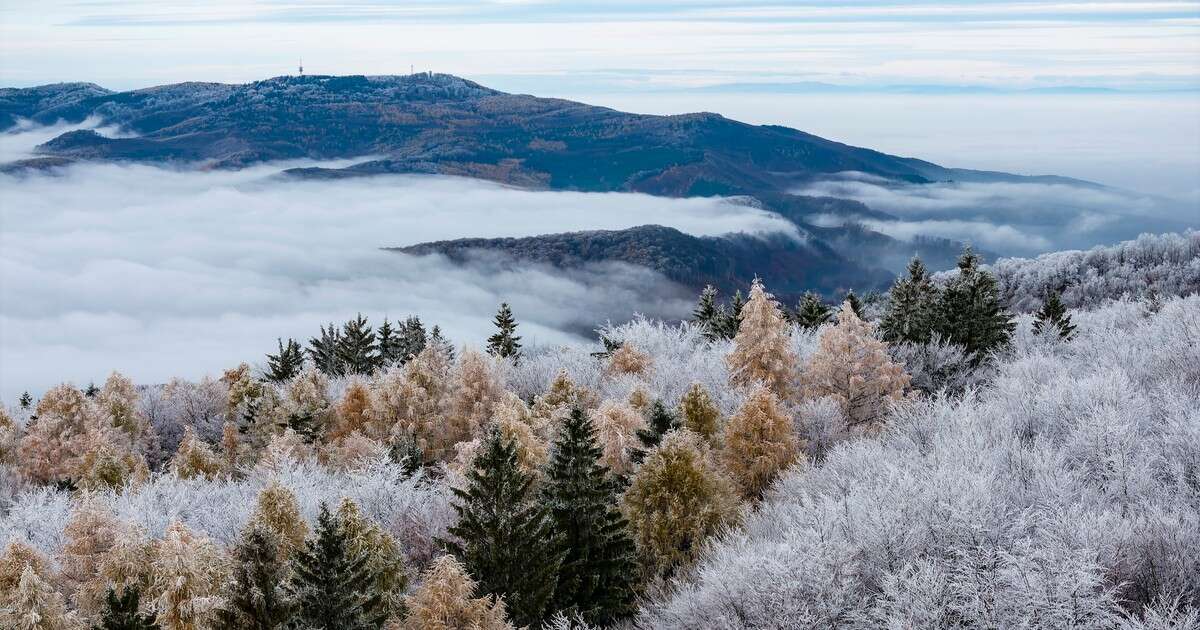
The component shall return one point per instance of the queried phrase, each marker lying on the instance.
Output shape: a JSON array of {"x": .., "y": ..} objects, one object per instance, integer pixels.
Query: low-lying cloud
[
  {"x": 1012, "y": 218},
  {"x": 159, "y": 272}
]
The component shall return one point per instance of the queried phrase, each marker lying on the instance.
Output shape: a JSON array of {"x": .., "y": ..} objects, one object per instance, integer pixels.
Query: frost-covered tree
[
  {"x": 854, "y": 368},
  {"x": 617, "y": 426},
  {"x": 699, "y": 412},
  {"x": 759, "y": 442},
  {"x": 504, "y": 536},
  {"x": 277, "y": 511},
  {"x": 477, "y": 389},
  {"x": 187, "y": 573},
  {"x": 1053, "y": 319},
  {"x": 852, "y": 301},
  {"x": 357, "y": 349},
  {"x": 627, "y": 359},
  {"x": 678, "y": 499},
  {"x": 415, "y": 401},
  {"x": 285, "y": 364},
  {"x": 351, "y": 414},
  {"x": 411, "y": 340},
  {"x": 90, "y": 534},
  {"x": 912, "y": 310},
  {"x": 762, "y": 348},
  {"x": 599, "y": 562},
  {"x": 970, "y": 313},
  {"x": 331, "y": 585},
  {"x": 25, "y": 401},
  {"x": 35, "y": 605},
  {"x": 811, "y": 311},
  {"x": 384, "y": 559},
  {"x": 255, "y": 598},
  {"x": 56, "y": 441},
  {"x": 195, "y": 458},
  {"x": 445, "y": 600},
  {"x": 505, "y": 343},
  {"x": 119, "y": 400},
  {"x": 708, "y": 313}
]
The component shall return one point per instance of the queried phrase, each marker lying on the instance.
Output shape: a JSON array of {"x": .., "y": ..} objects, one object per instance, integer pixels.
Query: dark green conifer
[
  {"x": 412, "y": 339},
  {"x": 286, "y": 364},
  {"x": 406, "y": 452},
  {"x": 436, "y": 339},
  {"x": 332, "y": 588},
  {"x": 121, "y": 612},
  {"x": 610, "y": 346},
  {"x": 1053, "y": 318},
  {"x": 91, "y": 390},
  {"x": 388, "y": 344},
  {"x": 357, "y": 351},
  {"x": 597, "y": 578},
  {"x": 505, "y": 343},
  {"x": 324, "y": 351},
  {"x": 708, "y": 313},
  {"x": 970, "y": 313},
  {"x": 505, "y": 538},
  {"x": 26, "y": 401},
  {"x": 913, "y": 307},
  {"x": 256, "y": 598},
  {"x": 811, "y": 312},
  {"x": 660, "y": 422}
]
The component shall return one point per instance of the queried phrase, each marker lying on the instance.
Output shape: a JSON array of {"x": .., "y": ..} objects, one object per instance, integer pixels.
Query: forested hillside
[{"x": 932, "y": 459}]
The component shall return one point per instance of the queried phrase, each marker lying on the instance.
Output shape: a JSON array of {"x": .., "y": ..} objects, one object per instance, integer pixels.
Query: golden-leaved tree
[
  {"x": 55, "y": 443},
  {"x": 445, "y": 601},
  {"x": 187, "y": 573},
  {"x": 852, "y": 367},
  {"x": 760, "y": 441},
  {"x": 700, "y": 414},
  {"x": 762, "y": 348}
]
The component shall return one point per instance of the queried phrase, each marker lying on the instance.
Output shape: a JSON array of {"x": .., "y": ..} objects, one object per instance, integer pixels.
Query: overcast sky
[{"x": 1129, "y": 44}]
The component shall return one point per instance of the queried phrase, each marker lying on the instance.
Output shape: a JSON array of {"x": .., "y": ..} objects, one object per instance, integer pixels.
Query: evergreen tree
[
  {"x": 436, "y": 339},
  {"x": 1053, "y": 318},
  {"x": 324, "y": 351},
  {"x": 730, "y": 318},
  {"x": 412, "y": 339},
  {"x": 855, "y": 303},
  {"x": 286, "y": 364},
  {"x": 407, "y": 453},
  {"x": 504, "y": 343},
  {"x": 25, "y": 401},
  {"x": 659, "y": 422},
  {"x": 708, "y": 313},
  {"x": 121, "y": 612},
  {"x": 256, "y": 598},
  {"x": 357, "y": 351},
  {"x": 505, "y": 537},
  {"x": 811, "y": 312},
  {"x": 91, "y": 390},
  {"x": 388, "y": 344},
  {"x": 970, "y": 313},
  {"x": 599, "y": 563},
  {"x": 332, "y": 587},
  {"x": 911, "y": 313}
]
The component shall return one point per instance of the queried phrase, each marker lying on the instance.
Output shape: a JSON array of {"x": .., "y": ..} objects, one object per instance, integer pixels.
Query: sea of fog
[{"x": 160, "y": 273}]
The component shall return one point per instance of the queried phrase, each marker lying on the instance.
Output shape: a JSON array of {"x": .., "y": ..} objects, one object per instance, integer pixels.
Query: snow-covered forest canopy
[{"x": 942, "y": 458}]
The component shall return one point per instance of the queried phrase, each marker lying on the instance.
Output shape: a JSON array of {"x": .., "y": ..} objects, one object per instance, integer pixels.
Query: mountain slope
[
  {"x": 788, "y": 265},
  {"x": 444, "y": 124}
]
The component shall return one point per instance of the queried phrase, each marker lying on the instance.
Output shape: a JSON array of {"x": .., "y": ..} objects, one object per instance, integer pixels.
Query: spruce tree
[
  {"x": 708, "y": 314},
  {"x": 436, "y": 339},
  {"x": 121, "y": 612},
  {"x": 913, "y": 308},
  {"x": 970, "y": 313},
  {"x": 91, "y": 390},
  {"x": 357, "y": 351},
  {"x": 731, "y": 318},
  {"x": 504, "y": 343},
  {"x": 659, "y": 422},
  {"x": 256, "y": 598},
  {"x": 324, "y": 351},
  {"x": 388, "y": 344},
  {"x": 283, "y": 366},
  {"x": 412, "y": 339},
  {"x": 1053, "y": 318},
  {"x": 26, "y": 401},
  {"x": 332, "y": 587},
  {"x": 406, "y": 452},
  {"x": 811, "y": 312},
  {"x": 505, "y": 537},
  {"x": 597, "y": 578},
  {"x": 855, "y": 304}
]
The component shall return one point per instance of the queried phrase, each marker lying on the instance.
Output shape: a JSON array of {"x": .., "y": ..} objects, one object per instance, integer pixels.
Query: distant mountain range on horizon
[{"x": 445, "y": 125}]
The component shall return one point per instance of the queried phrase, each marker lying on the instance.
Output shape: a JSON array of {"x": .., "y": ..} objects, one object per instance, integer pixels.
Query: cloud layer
[
  {"x": 158, "y": 272},
  {"x": 1010, "y": 218}
]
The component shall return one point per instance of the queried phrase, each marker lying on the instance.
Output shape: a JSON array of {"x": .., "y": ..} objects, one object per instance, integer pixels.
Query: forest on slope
[{"x": 935, "y": 457}]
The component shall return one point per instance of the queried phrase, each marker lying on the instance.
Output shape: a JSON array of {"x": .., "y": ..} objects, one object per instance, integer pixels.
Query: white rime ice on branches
[{"x": 1065, "y": 493}]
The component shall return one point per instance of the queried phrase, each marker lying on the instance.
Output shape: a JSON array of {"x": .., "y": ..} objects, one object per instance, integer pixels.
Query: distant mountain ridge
[{"x": 436, "y": 123}]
